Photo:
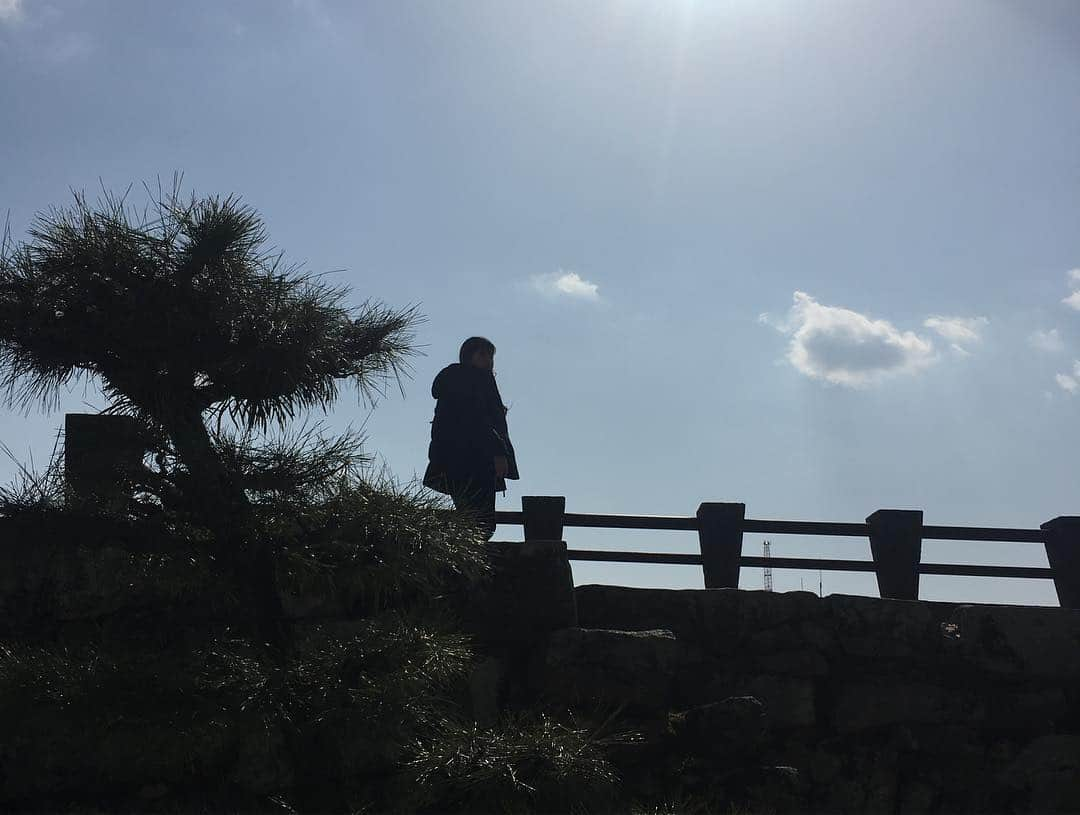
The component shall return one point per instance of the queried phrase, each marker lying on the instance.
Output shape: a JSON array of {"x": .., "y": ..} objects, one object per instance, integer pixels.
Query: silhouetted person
[{"x": 470, "y": 453}]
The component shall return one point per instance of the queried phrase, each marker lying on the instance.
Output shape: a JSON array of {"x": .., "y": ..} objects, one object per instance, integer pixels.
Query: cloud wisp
[
  {"x": 1070, "y": 382},
  {"x": 1049, "y": 341},
  {"x": 1073, "y": 300},
  {"x": 11, "y": 10},
  {"x": 961, "y": 332},
  {"x": 957, "y": 329},
  {"x": 566, "y": 284},
  {"x": 844, "y": 347}
]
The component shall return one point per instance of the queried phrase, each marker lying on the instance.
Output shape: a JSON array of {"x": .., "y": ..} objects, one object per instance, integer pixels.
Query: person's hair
[{"x": 472, "y": 345}]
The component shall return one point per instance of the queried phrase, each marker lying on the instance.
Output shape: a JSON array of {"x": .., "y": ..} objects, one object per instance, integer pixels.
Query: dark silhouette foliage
[
  {"x": 183, "y": 308},
  {"x": 183, "y": 313},
  {"x": 159, "y": 697}
]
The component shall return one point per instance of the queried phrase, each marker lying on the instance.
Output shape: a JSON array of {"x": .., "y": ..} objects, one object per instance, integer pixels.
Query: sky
[{"x": 819, "y": 258}]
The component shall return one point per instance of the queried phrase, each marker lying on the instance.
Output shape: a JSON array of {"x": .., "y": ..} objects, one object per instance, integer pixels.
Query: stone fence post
[
  {"x": 896, "y": 545},
  {"x": 1063, "y": 554},
  {"x": 543, "y": 517},
  {"x": 720, "y": 532}
]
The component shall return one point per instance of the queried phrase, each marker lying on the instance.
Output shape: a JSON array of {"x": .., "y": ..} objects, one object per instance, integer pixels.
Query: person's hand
[{"x": 502, "y": 466}]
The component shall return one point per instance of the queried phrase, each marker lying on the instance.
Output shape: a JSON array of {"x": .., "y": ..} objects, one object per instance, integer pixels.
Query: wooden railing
[{"x": 896, "y": 537}]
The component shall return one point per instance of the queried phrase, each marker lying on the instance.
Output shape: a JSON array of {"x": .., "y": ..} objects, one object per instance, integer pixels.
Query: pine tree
[
  {"x": 183, "y": 317},
  {"x": 182, "y": 313}
]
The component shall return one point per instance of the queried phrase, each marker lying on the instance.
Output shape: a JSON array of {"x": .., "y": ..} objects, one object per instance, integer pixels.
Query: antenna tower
[{"x": 768, "y": 568}]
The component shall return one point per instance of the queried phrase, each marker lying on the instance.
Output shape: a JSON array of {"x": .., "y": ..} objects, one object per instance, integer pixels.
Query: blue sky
[{"x": 815, "y": 257}]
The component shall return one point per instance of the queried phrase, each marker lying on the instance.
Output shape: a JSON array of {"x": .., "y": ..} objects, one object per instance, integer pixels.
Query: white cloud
[
  {"x": 1070, "y": 383},
  {"x": 780, "y": 325},
  {"x": 11, "y": 10},
  {"x": 847, "y": 348},
  {"x": 957, "y": 329},
  {"x": 1049, "y": 341},
  {"x": 1073, "y": 300},
  {"x": 565, "y": 284}
]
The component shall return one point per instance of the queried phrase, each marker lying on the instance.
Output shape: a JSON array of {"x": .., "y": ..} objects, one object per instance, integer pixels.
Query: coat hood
[{"x": 455, "y": 378}]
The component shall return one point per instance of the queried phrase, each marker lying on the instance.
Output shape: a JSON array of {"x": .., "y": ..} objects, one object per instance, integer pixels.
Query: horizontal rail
[
  {"x": 806, "y": 528},
  {"x": 975, "y": 533},
  {"x": 608, "y": 556},
  {"x": 774, "y": 527},
  {"x": 808, "y": 563},
  {"x": 832, "y": 565},
  {"x": 583, "y": 519},
  {"x": 964, "y": 569},
  {"x": 607, "y": 521}
]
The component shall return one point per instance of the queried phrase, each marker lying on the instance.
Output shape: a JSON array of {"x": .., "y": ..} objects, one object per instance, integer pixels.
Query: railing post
[
  {"x": 720, "y": 530},
  {"x": 1063, "y": 553},
  {"x": 542, "y": 516},
  {"x": 896, "y": 544}
]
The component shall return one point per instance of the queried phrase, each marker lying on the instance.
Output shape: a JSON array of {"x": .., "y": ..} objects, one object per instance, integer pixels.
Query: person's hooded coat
[{"x": 469, "y": 429}]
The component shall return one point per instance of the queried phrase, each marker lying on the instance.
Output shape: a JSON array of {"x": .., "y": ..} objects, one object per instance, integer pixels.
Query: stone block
[
  {"x": 1047, "y": 771},
  {"x": 1036, "y": 711},
  {"x": 852, "y": 777},
  {"x": 789, "y": 701},
  {"x": 528, "y": 594},
  {"x": 1024, "y": 640},
  {"x": 802, "y": 662},
  {"x": 779, "y": 790},
  {"x": 876, "y": 703},
  {"x": 638, "y": 669},
  {"x": 623, "y": 608},
  {"x": 885, "y": 701},
  {"x": 486, "y": 682},
  {"x": 896, "y": 635},
  {"x": 732, "y": 728},
  {"x": 732, "y": 616},
  {"x": 793, "y": 635}
]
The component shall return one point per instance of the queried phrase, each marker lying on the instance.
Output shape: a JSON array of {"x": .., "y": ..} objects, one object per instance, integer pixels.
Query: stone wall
[
  {"x": 806, "y": 704},
  {"x": 788, "y": 701},
  {"x": 880, "y": 705}
]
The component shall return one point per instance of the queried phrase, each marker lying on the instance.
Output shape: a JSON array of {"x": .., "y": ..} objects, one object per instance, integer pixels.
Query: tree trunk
[{"x": 228, "y": 513}]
